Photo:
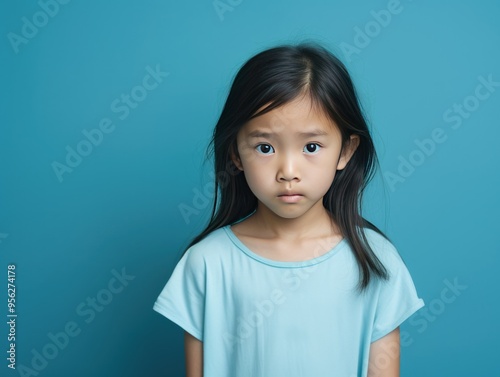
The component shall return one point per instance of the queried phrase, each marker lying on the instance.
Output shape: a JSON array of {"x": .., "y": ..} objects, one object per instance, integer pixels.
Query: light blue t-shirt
[{"x": 259, "y": 317}]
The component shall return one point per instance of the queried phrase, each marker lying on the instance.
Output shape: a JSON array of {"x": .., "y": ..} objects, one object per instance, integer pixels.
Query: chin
[{"x": 292, "y": 212}]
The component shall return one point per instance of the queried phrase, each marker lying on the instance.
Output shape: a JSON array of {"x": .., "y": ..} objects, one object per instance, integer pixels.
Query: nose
[{"x": 288, "y": 168}]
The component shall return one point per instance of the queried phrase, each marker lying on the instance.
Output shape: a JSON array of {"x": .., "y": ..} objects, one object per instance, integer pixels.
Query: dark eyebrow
[{"x": 270, "y": 135}]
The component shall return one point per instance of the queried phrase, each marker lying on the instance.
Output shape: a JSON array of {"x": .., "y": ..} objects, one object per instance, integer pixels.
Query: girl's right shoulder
[{"x": 212, "y": 245}]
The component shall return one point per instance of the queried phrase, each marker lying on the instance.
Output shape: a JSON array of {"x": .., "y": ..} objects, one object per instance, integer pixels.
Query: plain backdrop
[{"x": 92, "y": 183}]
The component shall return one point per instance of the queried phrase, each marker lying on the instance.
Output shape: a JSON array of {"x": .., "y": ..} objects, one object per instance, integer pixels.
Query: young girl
[{"x": 288, "y": 279}]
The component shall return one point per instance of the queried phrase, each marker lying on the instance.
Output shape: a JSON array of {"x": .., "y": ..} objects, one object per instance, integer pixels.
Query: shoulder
[
  {"x": 383, "y": 249},
  {"x": 377, "y": 240},
  {"x": 213, "y": 245}
]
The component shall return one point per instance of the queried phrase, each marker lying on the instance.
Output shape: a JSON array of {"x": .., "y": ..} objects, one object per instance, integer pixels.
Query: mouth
[{"x": 290, "y": 197}]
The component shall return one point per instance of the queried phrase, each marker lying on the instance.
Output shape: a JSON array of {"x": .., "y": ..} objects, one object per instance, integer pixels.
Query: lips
[
  {"x": 290, "y": 194},
  {"x": 290, "y": 197}
]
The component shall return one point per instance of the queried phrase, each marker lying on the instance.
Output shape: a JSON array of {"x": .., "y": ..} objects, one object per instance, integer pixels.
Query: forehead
[{"x": 298, "y": 116}]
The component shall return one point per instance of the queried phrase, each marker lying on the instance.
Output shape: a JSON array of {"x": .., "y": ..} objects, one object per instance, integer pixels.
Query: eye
[
  {"x": 312, "y": 148},
  {"x": 266, "y": 148}
]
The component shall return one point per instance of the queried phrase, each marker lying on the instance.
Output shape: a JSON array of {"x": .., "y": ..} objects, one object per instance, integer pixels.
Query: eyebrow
[{"x": 270, "y": 135}]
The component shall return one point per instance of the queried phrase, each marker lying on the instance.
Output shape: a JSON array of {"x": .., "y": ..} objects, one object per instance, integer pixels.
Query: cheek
[
  {"x": 258, "y": 178},
  {"x": 327, "y": 180},
  {"x": 322, "y": 174}
]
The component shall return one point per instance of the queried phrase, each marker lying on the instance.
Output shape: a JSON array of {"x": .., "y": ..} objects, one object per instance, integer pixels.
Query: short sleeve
[
  {"x": 182, "y": 300},
  {"x": 397, "y": 297}
]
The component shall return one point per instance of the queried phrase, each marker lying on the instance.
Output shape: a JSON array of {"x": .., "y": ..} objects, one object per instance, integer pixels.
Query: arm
[
  {"x": 384, "y": 356},
  {"x": 193, "y": 349}
]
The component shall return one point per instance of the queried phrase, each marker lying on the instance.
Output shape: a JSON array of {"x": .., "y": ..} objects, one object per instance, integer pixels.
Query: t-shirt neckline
[{"x": 285, "y": 264}]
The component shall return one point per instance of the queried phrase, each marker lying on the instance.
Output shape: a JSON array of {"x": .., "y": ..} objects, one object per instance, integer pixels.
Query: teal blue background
[{"x": 120, "y": 207}]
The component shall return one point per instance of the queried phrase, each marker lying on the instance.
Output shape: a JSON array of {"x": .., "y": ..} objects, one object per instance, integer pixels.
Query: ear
[
  {"x": 347, "y": 152},
  {"x": 235, "y": 157}
]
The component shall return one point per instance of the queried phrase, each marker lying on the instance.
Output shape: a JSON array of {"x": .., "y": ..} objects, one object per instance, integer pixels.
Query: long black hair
[{"x": 275, "y": 77}]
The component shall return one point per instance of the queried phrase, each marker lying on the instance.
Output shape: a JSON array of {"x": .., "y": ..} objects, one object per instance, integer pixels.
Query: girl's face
[{"x": 292, "y": 149}]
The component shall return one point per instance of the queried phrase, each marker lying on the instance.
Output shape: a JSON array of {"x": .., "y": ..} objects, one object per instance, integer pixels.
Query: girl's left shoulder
[{"x": 383, "y": 248}]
